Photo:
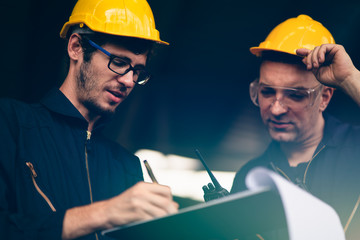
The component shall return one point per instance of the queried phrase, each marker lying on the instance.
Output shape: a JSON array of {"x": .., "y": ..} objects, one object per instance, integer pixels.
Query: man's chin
[
  {"x": 282, "y": 136},
  {"x": 109, "y": 111},
  {"x": 101, "y": 110}
]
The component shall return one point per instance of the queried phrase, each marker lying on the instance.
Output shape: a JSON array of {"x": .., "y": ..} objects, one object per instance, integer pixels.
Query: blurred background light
[{"x": 184, "y": 175}]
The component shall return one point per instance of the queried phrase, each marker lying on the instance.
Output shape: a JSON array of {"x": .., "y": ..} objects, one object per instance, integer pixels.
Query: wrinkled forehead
[{"x": 286, "y": 75}]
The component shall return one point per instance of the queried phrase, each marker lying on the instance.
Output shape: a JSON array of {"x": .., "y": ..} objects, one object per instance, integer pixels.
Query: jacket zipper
[
  {"x": 33, "y": 176},
  {"x": 88, "y": 136}
]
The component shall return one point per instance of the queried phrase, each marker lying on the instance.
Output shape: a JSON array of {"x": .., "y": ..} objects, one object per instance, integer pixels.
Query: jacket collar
[
  {"x": 57, "y": 102},
  {"x": 334, "y": 133}
]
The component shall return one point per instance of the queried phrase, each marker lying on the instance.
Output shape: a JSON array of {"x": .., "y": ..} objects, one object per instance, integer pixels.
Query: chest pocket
[{"x": 38, "y": 189}]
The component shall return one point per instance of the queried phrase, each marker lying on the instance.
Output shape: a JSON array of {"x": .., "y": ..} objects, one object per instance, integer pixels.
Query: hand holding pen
[{"x": 143, "y": 201}]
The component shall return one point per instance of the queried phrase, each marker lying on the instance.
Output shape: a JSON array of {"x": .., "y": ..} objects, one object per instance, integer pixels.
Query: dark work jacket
[
  {"x": 333, "y": 175},
  {"x": 43, "y": 169}
]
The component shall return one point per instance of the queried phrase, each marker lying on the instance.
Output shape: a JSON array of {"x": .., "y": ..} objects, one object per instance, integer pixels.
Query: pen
[{"x": 150, "y": 172}]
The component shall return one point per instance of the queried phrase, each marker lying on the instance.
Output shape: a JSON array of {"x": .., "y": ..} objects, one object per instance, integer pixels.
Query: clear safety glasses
[
  {"x": 121, "y": 66},
  {"x": 295, "y": 98}
]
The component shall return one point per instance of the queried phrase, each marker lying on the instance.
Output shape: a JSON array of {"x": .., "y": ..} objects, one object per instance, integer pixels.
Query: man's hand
[
  {"x": 333, "y": 67},
  {"x": 143, "y": 201}
]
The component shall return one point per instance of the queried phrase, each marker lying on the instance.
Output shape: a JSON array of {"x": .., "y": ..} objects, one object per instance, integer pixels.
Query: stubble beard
[
  {"x": 284, "y": 136},
  {"x": 87, "y": 89}
]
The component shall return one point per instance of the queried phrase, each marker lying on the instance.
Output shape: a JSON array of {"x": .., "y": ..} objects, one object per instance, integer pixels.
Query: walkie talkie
[{"x": 211, "y": 190}]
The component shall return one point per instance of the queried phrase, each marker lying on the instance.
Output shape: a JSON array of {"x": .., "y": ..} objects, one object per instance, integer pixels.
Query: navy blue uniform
[
  {"x": 50, "y": 163},
  {"x": 333, "y": 175}
]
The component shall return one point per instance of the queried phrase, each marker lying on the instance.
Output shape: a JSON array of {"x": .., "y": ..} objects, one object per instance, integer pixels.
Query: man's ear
[
  {"x": 326, "y": 95},
  {"x": 74, "y": 48}
]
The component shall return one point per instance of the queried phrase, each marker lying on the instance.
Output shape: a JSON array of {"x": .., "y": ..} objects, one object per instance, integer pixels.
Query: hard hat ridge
[
  {"x": 294, "y": 33},
  {"x": 128, "y": 18}
]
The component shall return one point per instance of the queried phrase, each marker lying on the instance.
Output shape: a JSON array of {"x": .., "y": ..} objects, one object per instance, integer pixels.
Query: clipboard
[
  {"x": 238, "y": 216},
  {"x": 272, "y": 208}
]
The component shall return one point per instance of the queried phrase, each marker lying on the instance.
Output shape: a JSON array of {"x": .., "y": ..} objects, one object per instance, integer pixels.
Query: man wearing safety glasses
[
  {"x": 300, "y": 67},
  {"x": 60, "y": 178}
]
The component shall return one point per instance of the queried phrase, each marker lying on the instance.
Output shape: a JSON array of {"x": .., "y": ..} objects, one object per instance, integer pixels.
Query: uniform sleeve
[
  {"x": 239, "y": 182},
  {"x": 13, "y": 223}
]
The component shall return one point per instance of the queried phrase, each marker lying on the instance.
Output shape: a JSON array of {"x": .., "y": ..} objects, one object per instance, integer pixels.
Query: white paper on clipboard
[{"x": 307, "y": 217}]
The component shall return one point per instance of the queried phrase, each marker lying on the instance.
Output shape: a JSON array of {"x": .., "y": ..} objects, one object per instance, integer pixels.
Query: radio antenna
[{"x": 213, "y": 179}]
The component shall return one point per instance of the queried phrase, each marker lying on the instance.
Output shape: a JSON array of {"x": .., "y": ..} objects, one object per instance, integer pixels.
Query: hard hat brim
[
  {"x": 67, "y": 25},
  {"x": 258, "y": 50},
  {"x": 293, "y": 34}
]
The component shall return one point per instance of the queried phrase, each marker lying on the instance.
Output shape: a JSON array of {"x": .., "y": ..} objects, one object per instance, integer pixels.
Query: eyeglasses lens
[
  {"x": 122, "y": 67},
  {"x": 294, "y": 98}
]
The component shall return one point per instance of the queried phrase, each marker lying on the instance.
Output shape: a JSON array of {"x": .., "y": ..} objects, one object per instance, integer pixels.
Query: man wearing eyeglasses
[
  {"x": 59, "y": 177},
  {"x": 300, "y": 67}
]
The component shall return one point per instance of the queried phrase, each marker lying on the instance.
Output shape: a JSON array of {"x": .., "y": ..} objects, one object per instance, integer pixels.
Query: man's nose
[
  {"x": 277, "y": 107},
  {"x": 127, "y": 80}
]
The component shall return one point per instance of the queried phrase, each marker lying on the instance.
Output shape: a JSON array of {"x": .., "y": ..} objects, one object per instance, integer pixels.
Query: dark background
[{"x": 198, "y": 97}]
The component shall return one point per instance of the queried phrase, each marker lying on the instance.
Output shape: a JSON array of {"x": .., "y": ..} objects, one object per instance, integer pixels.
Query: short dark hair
[
  {"x": 135, "y": 45},
  {"x": 281, "y": 57}
]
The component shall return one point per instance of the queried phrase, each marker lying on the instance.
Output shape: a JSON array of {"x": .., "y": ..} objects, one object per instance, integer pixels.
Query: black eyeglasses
[{"x": 121, "y": 66}]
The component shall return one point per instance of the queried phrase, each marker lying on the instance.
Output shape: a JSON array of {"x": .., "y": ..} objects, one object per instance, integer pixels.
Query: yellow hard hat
[
  {"x": 295, "y": 33},
  {"x": 129, "y": 18}
]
